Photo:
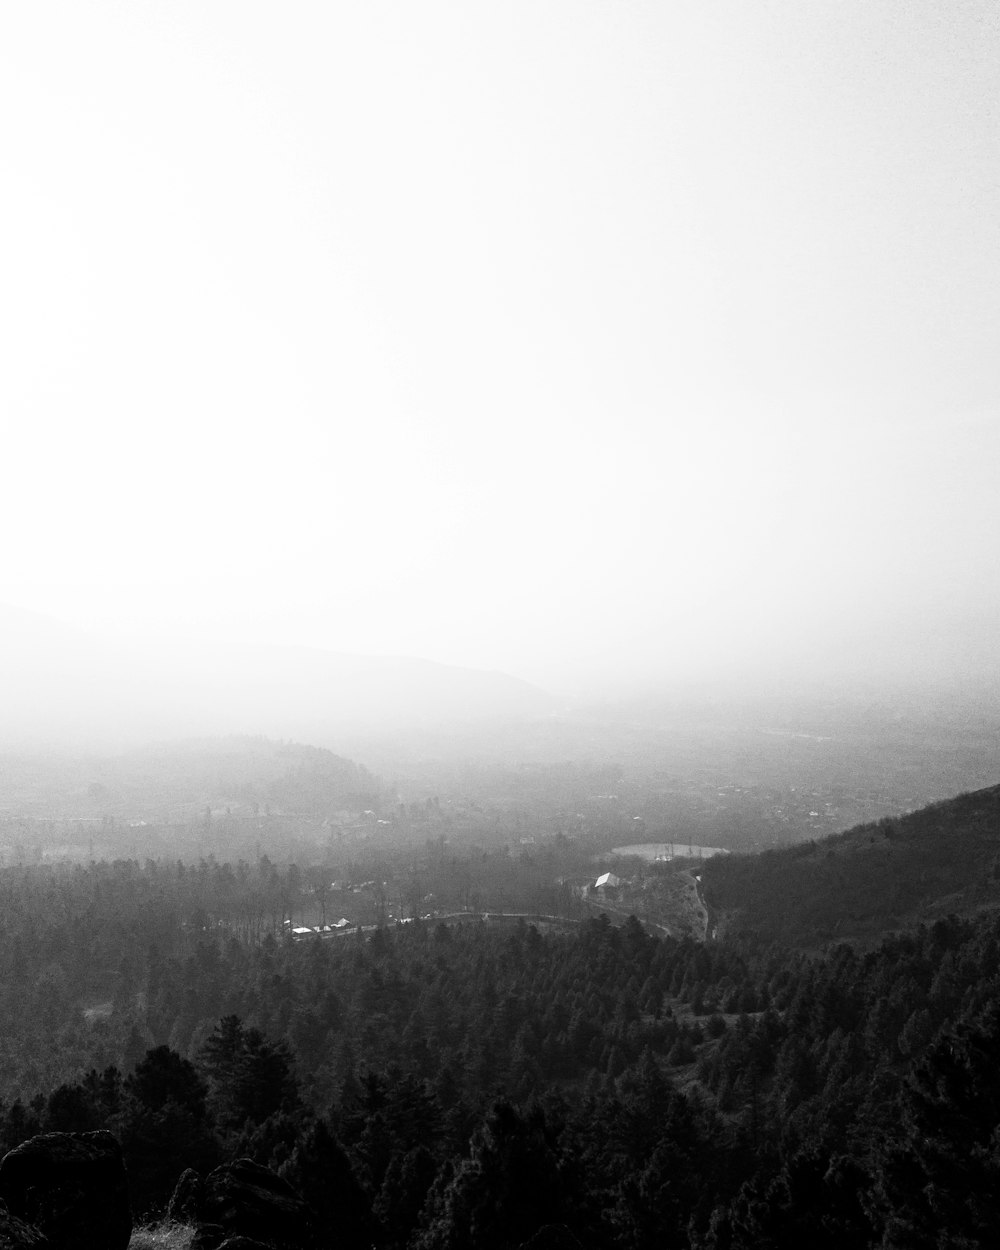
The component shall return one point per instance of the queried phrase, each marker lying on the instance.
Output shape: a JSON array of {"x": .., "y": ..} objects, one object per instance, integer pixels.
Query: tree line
[{"x": 633, "y": 1091}]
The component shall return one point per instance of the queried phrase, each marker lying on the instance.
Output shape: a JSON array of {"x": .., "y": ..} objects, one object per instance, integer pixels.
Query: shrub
[{"x": 165, "y": 1236}]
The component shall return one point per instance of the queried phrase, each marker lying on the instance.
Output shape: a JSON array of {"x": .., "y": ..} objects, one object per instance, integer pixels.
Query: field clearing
[{"x": 652, "y": 851}]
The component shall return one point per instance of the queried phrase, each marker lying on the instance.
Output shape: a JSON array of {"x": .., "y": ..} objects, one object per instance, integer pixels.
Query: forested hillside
[
  {"x": 168, "y": 781},
  {"x": 441, "y": 1087},
  {"x": 869, "y": 881}
]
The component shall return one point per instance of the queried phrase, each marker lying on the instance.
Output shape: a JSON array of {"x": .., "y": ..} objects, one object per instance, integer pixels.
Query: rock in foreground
[
  {"x": 15, "y": 1234},
  {"x": 72, "y": 1187},
  {"x": 244, "y": 1199}
]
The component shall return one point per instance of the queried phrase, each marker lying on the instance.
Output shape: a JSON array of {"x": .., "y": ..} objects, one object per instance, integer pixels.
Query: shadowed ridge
[{"x": 872, "y": 880}]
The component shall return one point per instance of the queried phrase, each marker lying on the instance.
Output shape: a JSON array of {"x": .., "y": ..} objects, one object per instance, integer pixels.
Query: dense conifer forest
[
  {"x": 891, "y": 874},
  {"x": 434, "y": 1085}
]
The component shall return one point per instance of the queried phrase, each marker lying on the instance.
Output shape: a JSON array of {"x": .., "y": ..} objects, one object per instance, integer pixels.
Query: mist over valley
[{"x": 499, "y": 620}]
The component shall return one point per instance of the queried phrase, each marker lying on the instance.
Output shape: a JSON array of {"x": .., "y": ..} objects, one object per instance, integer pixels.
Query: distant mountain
[
  {"x": 63, "y": 685},
  {"x": 869, "y": 881}
]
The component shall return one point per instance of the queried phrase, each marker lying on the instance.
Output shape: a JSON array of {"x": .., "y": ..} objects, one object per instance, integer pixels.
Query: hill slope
[
  {"x": 172, "y": 781},
  {"x": 873, "y": 879}
]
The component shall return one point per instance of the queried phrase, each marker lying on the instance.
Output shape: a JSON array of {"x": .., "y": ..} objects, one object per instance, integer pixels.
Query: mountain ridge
[{"x": 64, "y": 684}]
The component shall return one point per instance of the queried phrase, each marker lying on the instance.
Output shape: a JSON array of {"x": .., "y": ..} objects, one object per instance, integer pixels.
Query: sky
[{"x": 591, "y": 341}]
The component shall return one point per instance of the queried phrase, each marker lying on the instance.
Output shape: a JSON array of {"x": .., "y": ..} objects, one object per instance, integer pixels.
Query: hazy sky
[{"x": 560, "y": 337}]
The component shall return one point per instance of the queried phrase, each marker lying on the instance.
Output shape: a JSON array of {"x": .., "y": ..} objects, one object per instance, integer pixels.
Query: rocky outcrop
[
  {"x": 15, "y": 1234},
  {"x": 72, "y": 1187},
  {"x": 208, "y": 1237},
  {"x": 243, "y": 1204},
  {"x": 185, "y": 1201}
]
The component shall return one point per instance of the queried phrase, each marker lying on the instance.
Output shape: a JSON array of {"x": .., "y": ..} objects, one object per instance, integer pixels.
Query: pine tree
[{"x": 321, "y": 1172}]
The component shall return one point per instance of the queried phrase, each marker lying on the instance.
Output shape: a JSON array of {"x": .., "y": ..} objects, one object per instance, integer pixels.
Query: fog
[{"x": 598, "y": 346}]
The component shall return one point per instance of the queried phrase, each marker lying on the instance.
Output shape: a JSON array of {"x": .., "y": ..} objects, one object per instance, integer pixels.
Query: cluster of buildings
[{"x": 299, "y": 931}]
